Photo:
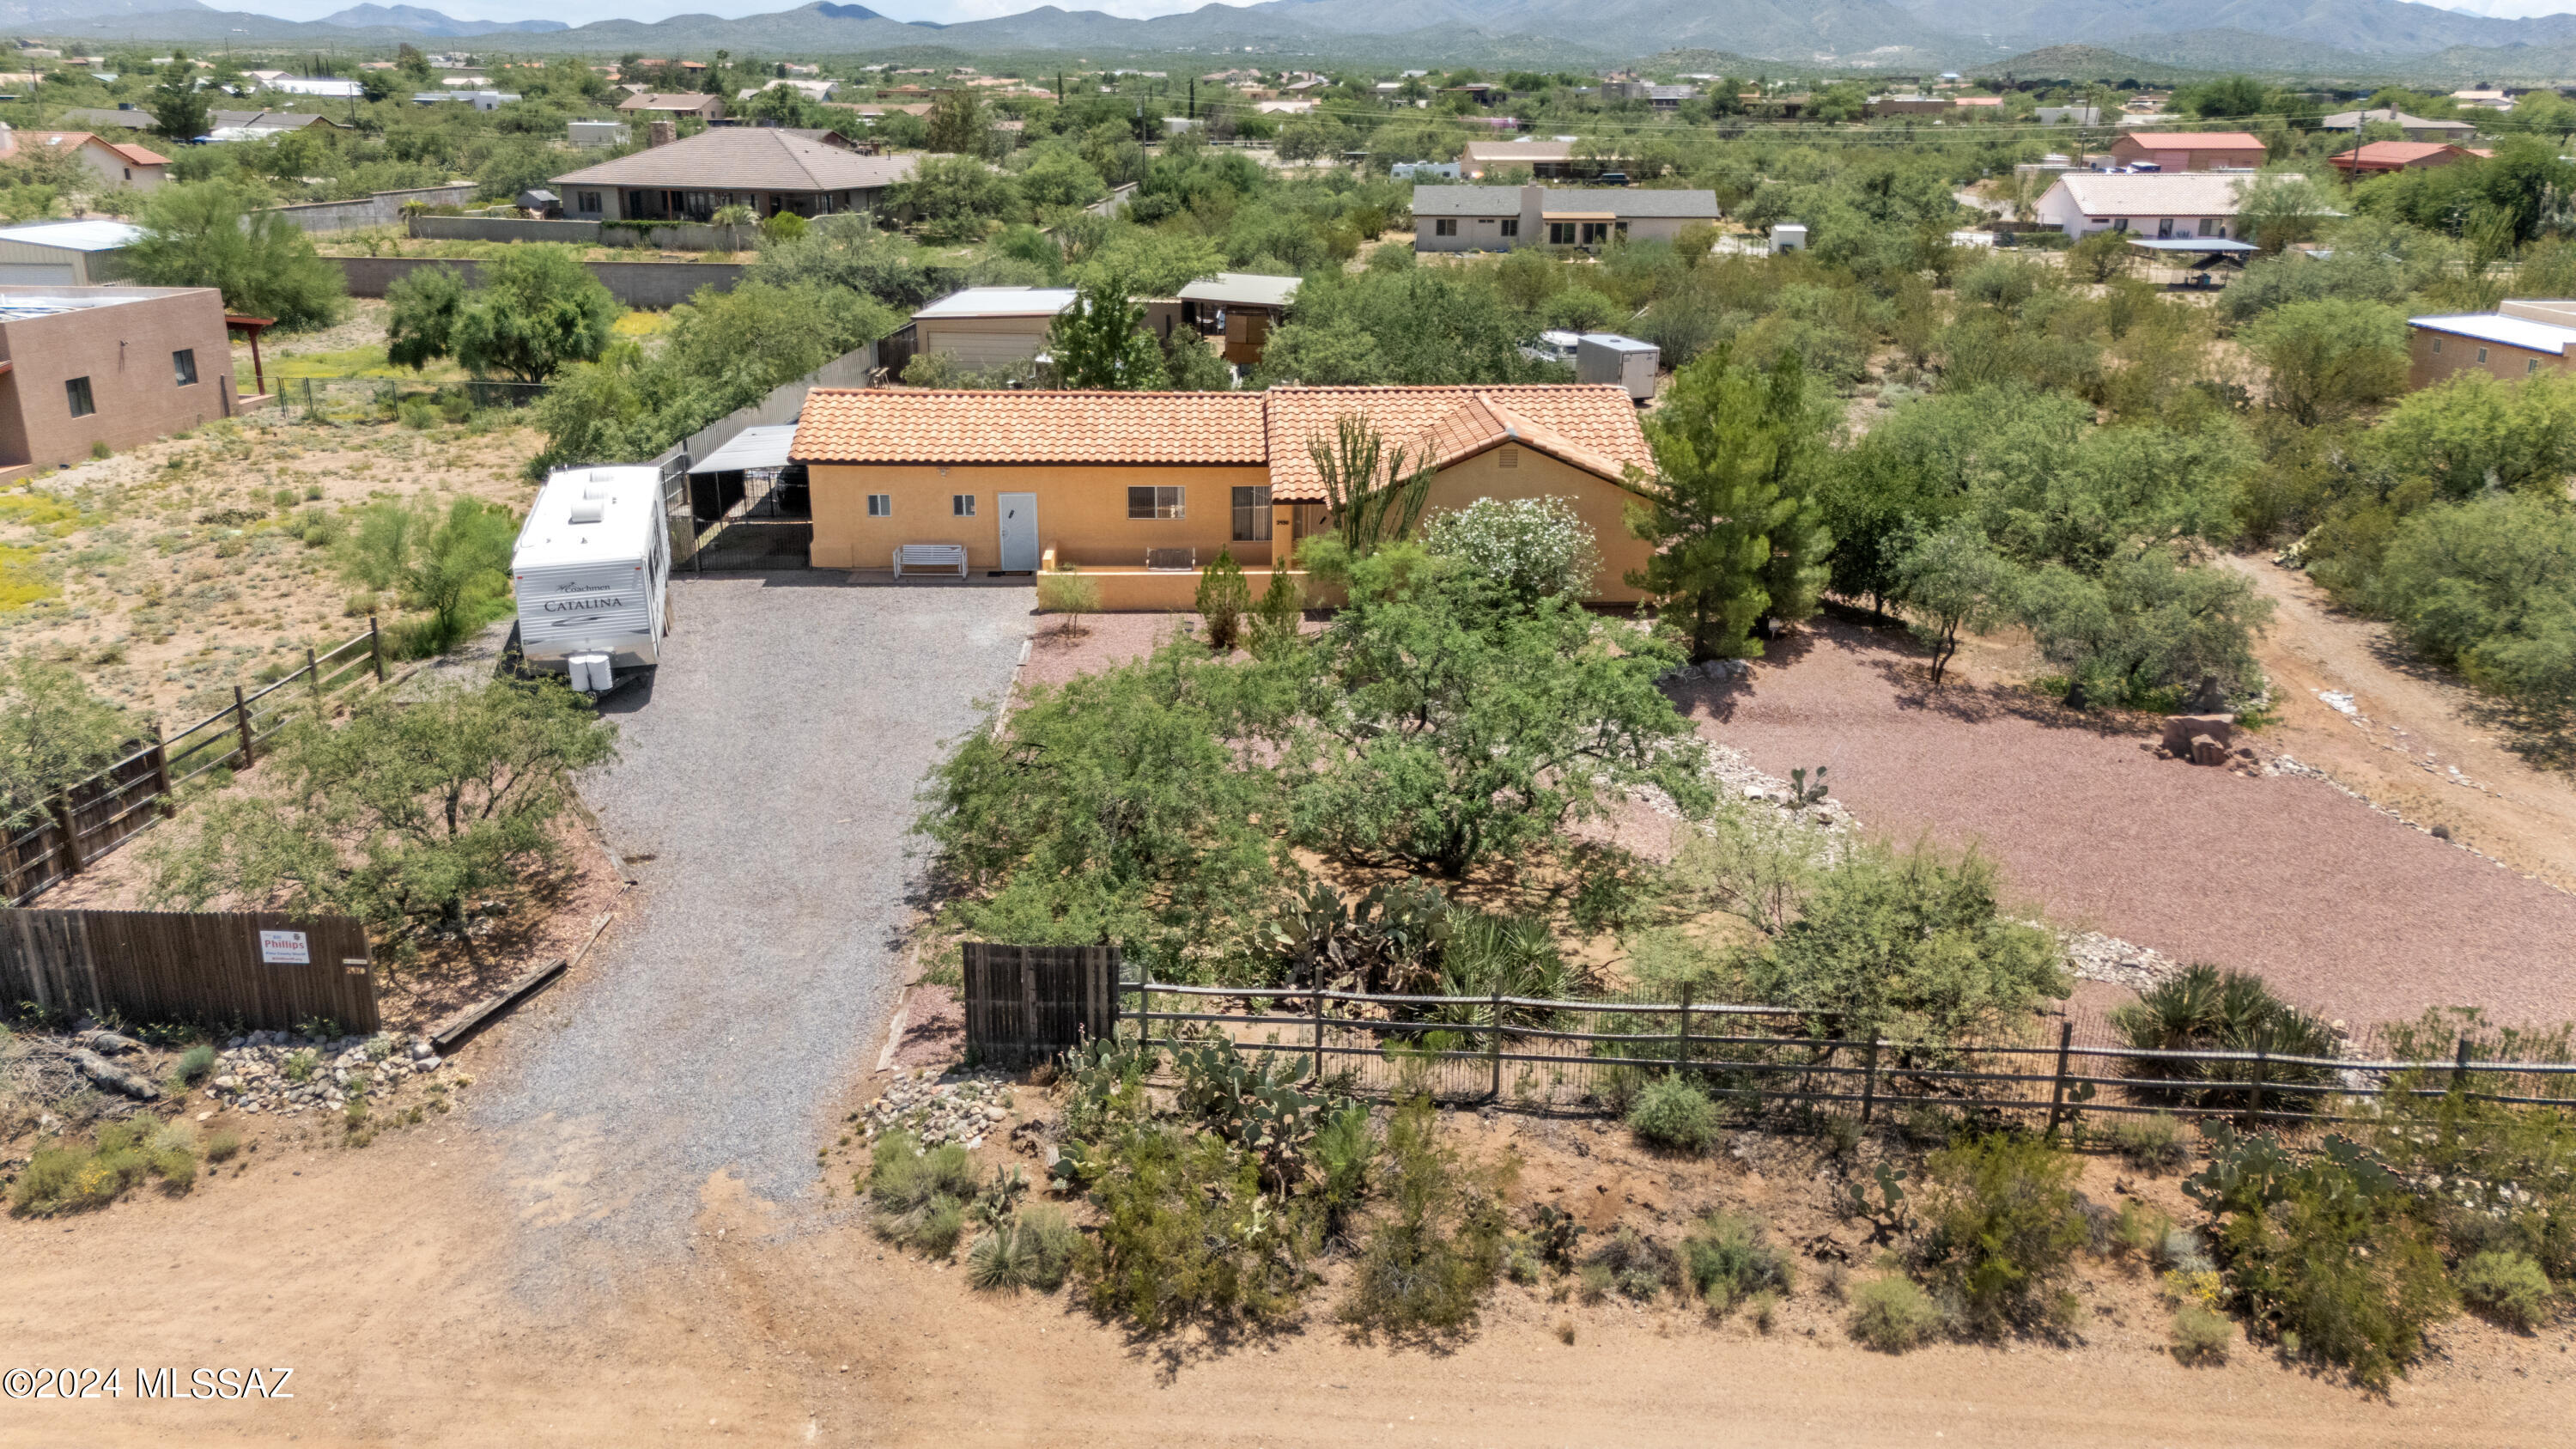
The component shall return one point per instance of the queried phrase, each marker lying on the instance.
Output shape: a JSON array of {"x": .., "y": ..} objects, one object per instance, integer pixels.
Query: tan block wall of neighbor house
[
  {"x": 985, "y": 341},
  {"x": 124, "y": 351},
  {"x": 1601, "y": 505},
  {"x": 1082, "y": 512},
  {"x": 2460, "y": 354}
]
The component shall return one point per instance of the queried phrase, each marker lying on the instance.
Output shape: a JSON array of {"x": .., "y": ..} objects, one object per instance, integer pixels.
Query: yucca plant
[{"x": 2207, "y": 1009}]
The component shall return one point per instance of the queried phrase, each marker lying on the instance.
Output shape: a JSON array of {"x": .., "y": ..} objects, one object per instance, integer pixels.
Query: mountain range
[
  {"x": 430, "y": 22},
  {"x": 2338, "y": 39}
]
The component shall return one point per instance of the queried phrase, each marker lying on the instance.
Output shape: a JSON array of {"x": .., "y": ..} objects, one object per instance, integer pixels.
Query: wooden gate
[
  {"x": 211, "y": 966},
  {"x": 1025, "y": 1004}
]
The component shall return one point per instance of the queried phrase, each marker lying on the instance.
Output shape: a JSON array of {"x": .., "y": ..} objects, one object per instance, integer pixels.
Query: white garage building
[{"x": 2144, "y": 203}]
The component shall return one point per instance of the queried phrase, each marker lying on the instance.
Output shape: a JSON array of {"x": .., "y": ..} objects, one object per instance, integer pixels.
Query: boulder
[
  {"x": 2207, "y": 751},
  {"x": 2182, "y": 729}
]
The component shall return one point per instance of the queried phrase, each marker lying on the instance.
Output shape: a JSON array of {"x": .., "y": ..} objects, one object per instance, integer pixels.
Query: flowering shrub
[{"x": 1531, "y": 548}]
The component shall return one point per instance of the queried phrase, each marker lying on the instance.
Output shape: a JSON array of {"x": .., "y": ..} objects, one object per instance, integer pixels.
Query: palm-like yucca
[{"x": 2207, "y": 1009}]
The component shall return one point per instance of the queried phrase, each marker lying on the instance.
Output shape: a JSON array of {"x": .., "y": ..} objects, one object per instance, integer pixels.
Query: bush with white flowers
[{"x": 1532, "y": 548}]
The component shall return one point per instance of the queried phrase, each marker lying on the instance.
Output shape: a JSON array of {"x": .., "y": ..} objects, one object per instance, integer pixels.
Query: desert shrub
[
  {"x": 1528, "y": 549},
  {"x": 1069, "y": 594},
  {"x": 62, "y": 1177},
  {"x": 1432, "y": 1257},
  {"x": 1345, "y": 1151},
  {"x": 1673, "y": 1113},
  {"x": 2153, "y": 1144},
  {"x": 300, "y": 1066},
  {"x": 2507, "y": 1173},
  {"x": 1186, "y": 1234},
  {"x": 2322, "y": 1250},
  {"x": 223, "y": 1146},
  {"x": 2507, "y": 1287},
  {"x": 1593, "y": 1282},
  {"x": 2200, "y": 1335},
  {"x": 1224, "y": 598},
  {"x": 1892, "y": 1314},
  {"x": 1107, "y": 1085},
  {"x": 1637, "y": 1266},
  {"x": 2140, "y": 1231},
  {"x": 1277, "y": 616},
  {"x": 196, "y": 1064},
  {"x": 918, "y": 1199},
  {"x": 1728, "y": 1260},
  {"x": 1033, "y": 1248},
  {"x": 2205, "y": 1009},
  {"x": 2001, "y": 1228},
  {"x": 417, "y": 413}
]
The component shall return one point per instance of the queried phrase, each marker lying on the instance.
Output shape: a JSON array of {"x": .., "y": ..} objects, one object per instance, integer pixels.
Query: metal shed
[{"x": 64, "y": 253}]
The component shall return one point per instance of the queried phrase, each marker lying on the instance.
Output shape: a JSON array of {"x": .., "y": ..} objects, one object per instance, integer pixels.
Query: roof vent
[
  {"x": 599, "y": 490},
  {"x": 587, "y": 511}
]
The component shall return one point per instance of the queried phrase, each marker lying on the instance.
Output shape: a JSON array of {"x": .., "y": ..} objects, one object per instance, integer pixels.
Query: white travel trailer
[{"x": 591, "y": 569}]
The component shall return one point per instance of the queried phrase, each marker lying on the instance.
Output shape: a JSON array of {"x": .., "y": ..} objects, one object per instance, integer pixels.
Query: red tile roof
[
  {"x": 904, "y": 425},
  {"x": 1589, "y": 427},
  {"x": 1592, "y": 427}
]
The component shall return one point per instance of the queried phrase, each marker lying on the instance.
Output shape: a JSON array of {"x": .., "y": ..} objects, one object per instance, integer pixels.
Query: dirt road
[
  {"x": 383, "y": 1277},
  {"x": 2409, "y": 738}
]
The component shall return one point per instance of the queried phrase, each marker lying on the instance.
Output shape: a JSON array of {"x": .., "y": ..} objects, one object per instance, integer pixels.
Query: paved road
[{"x": 770, "y": 774}]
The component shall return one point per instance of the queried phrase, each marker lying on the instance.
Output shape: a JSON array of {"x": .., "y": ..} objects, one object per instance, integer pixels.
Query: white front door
[{"x": 1019, "y": 523}]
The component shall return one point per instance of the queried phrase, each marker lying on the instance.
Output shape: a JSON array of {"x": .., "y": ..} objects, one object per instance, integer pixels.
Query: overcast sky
[{"x": 578, "y": 12}]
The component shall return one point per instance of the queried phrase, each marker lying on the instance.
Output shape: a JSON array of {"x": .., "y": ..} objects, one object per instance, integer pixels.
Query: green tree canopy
[
  {"x": 207, "y": 234},
  {"x": 535, "y": 310},
  {"x": 1100, "y": 341}
]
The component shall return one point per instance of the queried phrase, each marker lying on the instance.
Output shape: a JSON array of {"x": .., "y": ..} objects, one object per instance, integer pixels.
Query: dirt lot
[{"x": 171, "y": 573}]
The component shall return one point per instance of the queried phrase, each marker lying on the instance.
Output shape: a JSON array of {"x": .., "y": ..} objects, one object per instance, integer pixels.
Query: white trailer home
[{"x": 591, "y": 570}]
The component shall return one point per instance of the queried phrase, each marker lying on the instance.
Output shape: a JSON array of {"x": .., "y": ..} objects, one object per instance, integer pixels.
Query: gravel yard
[
  {"x": 2344, "y": 909},
  {"x": 763, "y": 804}
]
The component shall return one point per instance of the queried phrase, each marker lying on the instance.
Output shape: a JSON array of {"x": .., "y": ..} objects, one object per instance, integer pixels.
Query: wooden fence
[
  {"x": 257, "y": 970},
  {"x": 1025, "y": 1004},
  {"x": 48, "y": 844},
  {"x": 1584, "y": 1054}
]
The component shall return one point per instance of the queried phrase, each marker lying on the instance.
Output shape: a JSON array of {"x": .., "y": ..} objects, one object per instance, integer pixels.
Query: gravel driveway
[{"x": 769, "y": 776}]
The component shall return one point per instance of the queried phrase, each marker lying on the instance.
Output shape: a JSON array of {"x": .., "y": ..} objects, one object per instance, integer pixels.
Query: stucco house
[
  {"x": 1546, "y": 160},
  {"x": 683, "y": 103},
  {"x": 2190, "y": 150},
  {"x": 2148, "y": 203},
  {"x": 2517, "y": 339},
  {"x": 2374, "y": 157},
  {"x": 2416, "y": 128},
  {"x": 116, "y": 165},
  {"x": 1142, "y": 490},
  {"x": 80, "y": 366},
  {"x": 768, "y": 169},
  {"x": 1499, "y": 218}
]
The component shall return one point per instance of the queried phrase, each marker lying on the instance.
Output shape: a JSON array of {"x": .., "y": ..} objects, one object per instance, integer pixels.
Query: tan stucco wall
[
  {"x": 1082, "y": 512},
  {"x": 2460, "y": 354},
  {"x": 124, "y": 351},
  {"x": 1601, "y": 505},
  {"x": 985, "y": 341}
]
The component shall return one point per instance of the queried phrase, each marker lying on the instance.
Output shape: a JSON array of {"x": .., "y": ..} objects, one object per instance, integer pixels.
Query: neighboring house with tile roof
[
  {"x": 674, "y": 104},
  {"x": 1143, "y": 489},
  {"x": 2377, "y": 156},
  {"x": 2147, "y": 203},
  {"x": 2191, "y": 150},
  {"x": 768, "y": 169},
  {"x": 117, "y": 165},
  {"x": 1499, "y": 218},
  {"x": 2517, "y": 339}
]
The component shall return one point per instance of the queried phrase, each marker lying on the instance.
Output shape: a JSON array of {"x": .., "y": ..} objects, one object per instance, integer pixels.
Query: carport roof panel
[
  {"x": 904, "y": 425},
  {"x": 751, "y": 448}
]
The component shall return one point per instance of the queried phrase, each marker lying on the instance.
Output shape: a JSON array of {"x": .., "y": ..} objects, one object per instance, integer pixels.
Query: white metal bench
[{"x": 930, "y": 556}]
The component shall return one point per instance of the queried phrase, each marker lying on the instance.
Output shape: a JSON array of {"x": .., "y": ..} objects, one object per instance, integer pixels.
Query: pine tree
[{"x": 1732, "y": 510}]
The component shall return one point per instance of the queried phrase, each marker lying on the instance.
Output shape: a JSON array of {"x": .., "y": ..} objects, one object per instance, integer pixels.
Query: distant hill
[
  {"x": 2083, "y": 63},
  {"x": 430, "y": 22}
]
